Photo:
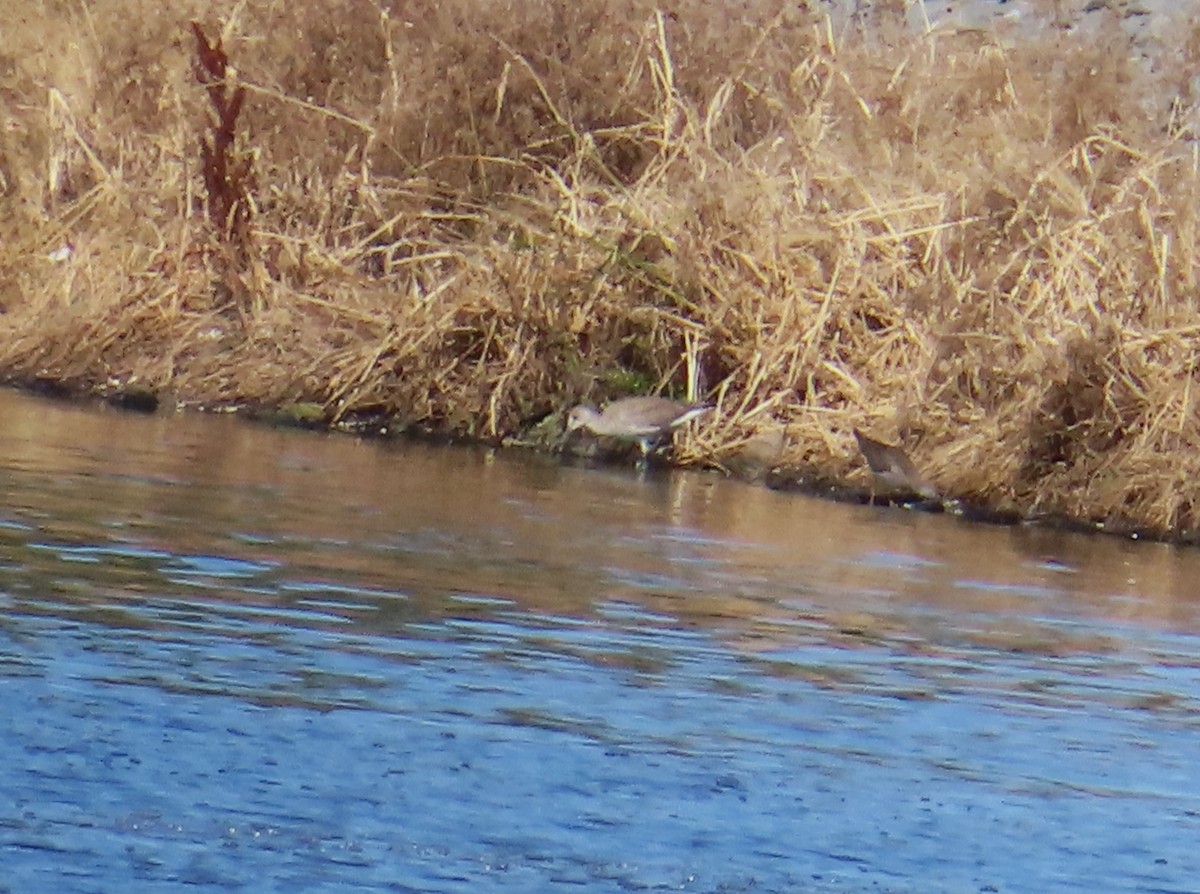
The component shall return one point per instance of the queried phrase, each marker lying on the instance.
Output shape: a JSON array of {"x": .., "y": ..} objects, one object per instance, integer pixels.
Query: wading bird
[
  {"x": 647, "y": 420},
  {"x": 891, "y": 467}
]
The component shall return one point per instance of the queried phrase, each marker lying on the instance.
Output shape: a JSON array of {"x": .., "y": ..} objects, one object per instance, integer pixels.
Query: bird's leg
[{"x": 644, "y": 447}]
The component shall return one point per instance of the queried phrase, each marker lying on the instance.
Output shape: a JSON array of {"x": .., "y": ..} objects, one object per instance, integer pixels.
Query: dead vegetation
[{"x": 466, "y": 215}]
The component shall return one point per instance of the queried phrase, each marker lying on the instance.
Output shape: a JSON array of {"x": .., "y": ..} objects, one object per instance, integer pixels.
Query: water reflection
[{"x": 234, "y": 653}]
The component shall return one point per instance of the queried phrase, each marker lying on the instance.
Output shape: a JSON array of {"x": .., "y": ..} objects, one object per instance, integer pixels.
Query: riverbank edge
[{"x": 809, "y": 482}]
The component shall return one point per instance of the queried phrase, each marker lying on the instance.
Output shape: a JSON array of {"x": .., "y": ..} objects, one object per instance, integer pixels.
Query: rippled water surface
[{"x": 238, "y": 658}]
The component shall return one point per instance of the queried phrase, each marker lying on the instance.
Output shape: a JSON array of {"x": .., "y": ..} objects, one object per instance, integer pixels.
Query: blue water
[{"x": 210, "y": 685}]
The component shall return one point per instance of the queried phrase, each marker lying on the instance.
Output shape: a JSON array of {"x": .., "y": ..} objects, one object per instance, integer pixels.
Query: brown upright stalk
[{"x": 227, "y": 173}]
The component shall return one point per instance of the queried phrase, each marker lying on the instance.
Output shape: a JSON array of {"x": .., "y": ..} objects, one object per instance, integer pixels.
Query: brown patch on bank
[{"x": 466, "y": 215}]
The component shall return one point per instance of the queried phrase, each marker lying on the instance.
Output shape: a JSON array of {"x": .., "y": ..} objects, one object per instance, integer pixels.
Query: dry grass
[{"x": 465, "y": 215}]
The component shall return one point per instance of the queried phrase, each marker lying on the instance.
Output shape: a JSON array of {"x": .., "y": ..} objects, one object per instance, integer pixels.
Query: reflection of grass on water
[{"x": 465, "y": 215}]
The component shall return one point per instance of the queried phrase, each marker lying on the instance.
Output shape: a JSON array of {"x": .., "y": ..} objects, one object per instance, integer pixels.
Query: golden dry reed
[{"x": 464, "y": 215}]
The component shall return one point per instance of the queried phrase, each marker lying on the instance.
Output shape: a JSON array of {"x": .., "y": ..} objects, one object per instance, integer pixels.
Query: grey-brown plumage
[
  {"x": 891, "y": 467},
  {"x": 646, "y": 420}
]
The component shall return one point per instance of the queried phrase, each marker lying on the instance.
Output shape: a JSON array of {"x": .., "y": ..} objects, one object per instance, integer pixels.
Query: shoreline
[{"x": 804, "y": 482}]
